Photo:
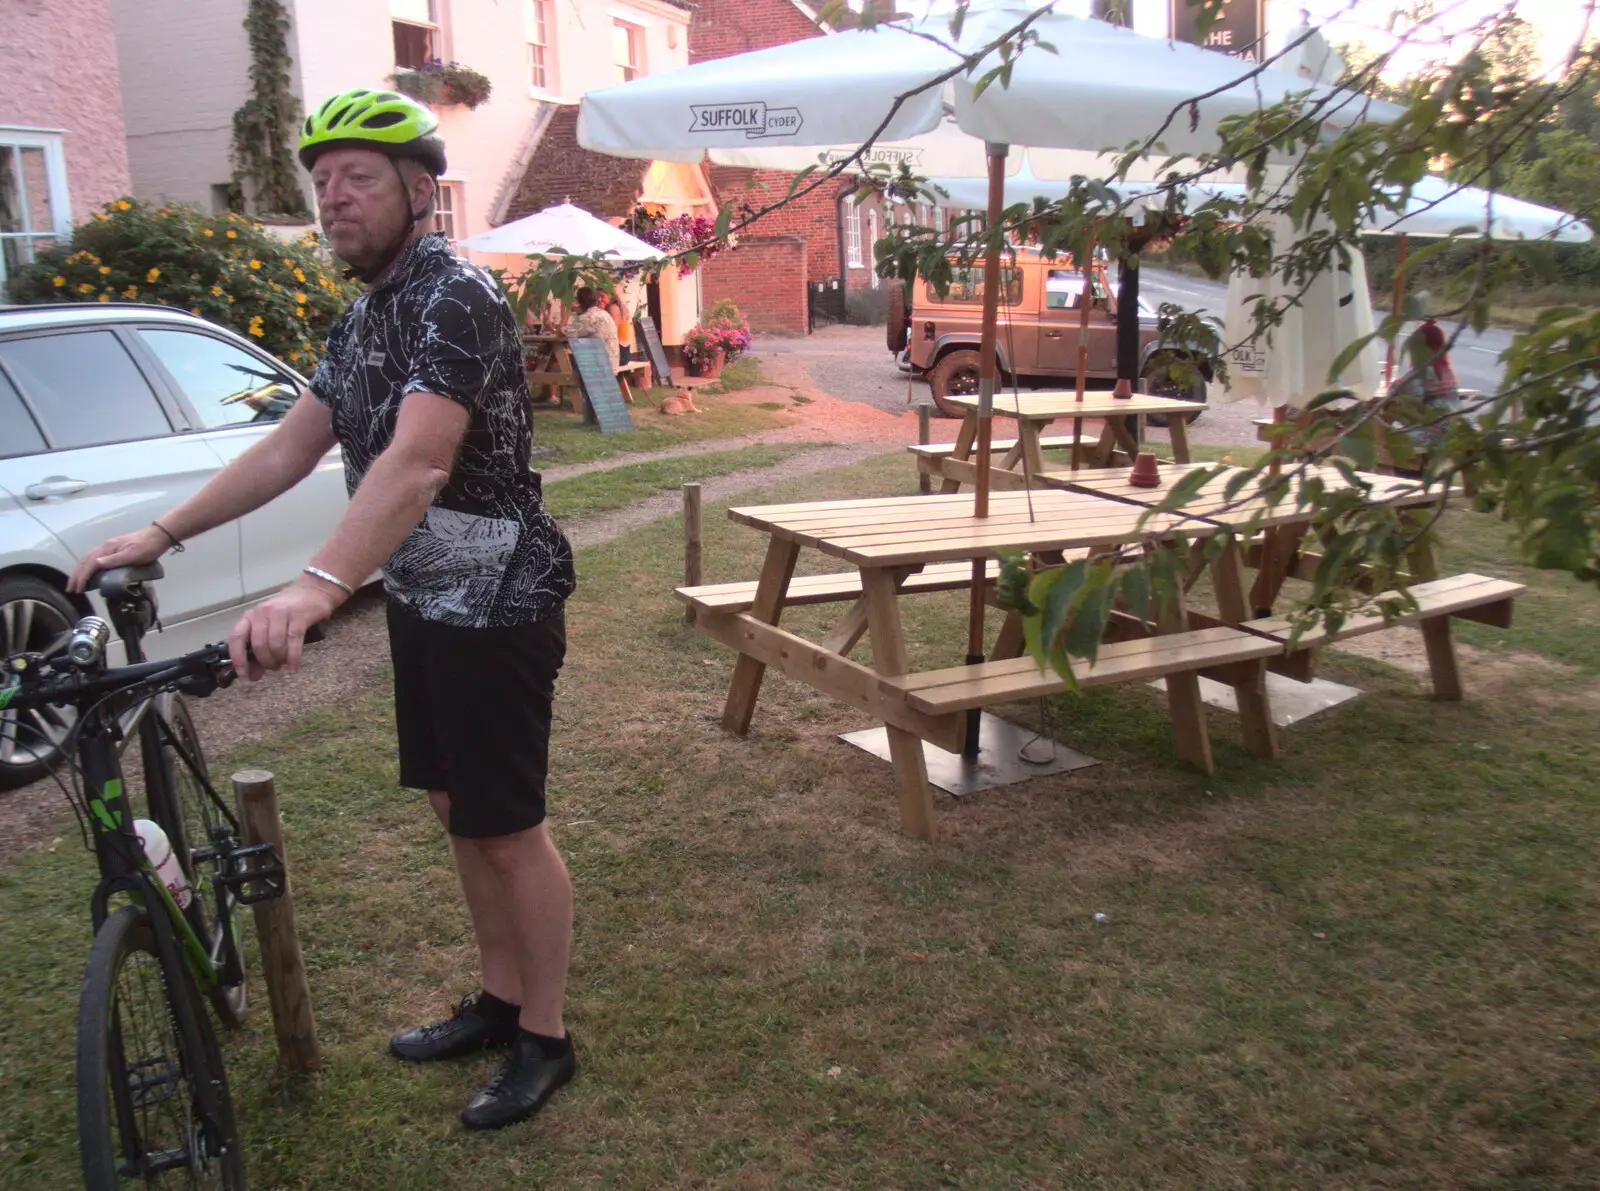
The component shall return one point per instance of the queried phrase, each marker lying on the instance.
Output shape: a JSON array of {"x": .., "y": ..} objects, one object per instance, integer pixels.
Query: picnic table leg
[
  {"x": 964, "y": 439},
  {"x": 768, "y": 606},
  {"x": 1255, "y": 712},
  {"x": 889, "y": 659},
  {"x": 1178, "y": 431},
  {"x": 1279, "y": 548},
  {"x": 1028, "y": 440},
  {"x": 1117, "y": 428},
  {"x": 1184, "y": 705},
  {"x": 1009, "y": 642},
  {"x": 1106, "y": 448}
]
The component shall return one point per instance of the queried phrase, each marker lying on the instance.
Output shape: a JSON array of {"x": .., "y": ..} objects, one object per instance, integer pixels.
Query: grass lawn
[
  {"x": 1369, "y": 964},
  {"x": 628, "y": 483},
  {"x": 575, "y": 442}
]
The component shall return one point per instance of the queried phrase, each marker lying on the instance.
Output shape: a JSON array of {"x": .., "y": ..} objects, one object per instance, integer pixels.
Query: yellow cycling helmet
[{"x": 382, "y": 120}]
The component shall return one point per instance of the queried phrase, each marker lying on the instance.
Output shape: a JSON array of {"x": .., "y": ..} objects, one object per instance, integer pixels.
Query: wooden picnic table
[{"x": 1034, "y": 411}]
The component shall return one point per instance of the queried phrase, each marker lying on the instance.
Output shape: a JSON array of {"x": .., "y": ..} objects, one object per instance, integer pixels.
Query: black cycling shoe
[
  {"x": 468, "y": 1030},
  {"x": 521, "y": 1087}
]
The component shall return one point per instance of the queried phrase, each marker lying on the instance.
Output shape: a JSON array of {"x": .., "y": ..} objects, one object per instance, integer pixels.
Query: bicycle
[{"x": 152, "y": 1094}]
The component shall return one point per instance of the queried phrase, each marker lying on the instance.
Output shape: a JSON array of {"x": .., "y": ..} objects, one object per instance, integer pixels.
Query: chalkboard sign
[
  {"x": 653, "y": 348},
  {"x": 601, "y": 396}
]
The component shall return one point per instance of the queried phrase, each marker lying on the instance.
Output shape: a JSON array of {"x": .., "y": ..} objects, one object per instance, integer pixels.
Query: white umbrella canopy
[
  {"x": 1105, "y": 87},
  {"x": 1439, "y": 208},
  {"x": 562, "y": 228}
]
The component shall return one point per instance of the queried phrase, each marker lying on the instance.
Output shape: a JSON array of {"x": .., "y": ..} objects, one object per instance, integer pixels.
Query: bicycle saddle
[{"x": 114, "y": 584}]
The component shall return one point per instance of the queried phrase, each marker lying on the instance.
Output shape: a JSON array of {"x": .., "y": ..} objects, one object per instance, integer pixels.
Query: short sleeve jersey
[{"x": 486, "y": 554}]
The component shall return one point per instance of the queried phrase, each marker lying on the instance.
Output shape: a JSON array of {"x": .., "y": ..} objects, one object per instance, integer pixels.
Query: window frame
[
  {"x": 435, "y": 28},
  {"x": 19, "y": 137},
  {"x": 179, "y": 418},
  {"x": 171, "y": 389},
  {"x": 450, "y": 203},
  {"x": 634, "y": 39},
  {"x": 874, "y": 233},
  {"x": 536, "y": 16},
  {"x": 852, "y": 237}
]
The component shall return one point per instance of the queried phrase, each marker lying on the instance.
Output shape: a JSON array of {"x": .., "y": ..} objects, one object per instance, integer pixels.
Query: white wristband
[{"x": 333, "y": 579}]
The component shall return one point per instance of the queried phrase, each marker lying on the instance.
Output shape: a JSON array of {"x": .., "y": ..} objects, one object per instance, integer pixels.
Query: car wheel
[
  {"x": 898, "y": 330},
  {"x": 956, "y": 375},
  {"x": 1159, "y": 382},
  {"x": 34, "y": 618}
]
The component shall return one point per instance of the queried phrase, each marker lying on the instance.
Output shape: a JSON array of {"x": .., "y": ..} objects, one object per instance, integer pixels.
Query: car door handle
[
  {"x": 1052, "y": 334},
  {"x": 54, "y": 486}
]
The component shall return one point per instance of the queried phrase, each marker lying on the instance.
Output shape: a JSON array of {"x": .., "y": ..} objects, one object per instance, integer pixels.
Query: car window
[
  {"x": 18, "y": 434},
  {"x": 966, "y": 287},
  {"x": 85, "y": 388},
  {"x": 1063, "y": 289},
  {"x": 226, "y": 385}
]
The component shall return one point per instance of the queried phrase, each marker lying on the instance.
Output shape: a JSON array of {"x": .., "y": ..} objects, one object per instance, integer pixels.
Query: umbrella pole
[
  {"x": 1397, "y": 303},
  {"x": 987, "y": 376},
  {"x": 1084, "y": 301}
]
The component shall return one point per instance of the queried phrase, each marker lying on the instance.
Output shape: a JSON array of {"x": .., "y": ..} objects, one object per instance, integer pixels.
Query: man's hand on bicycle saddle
[
  {"x": 128, "y": 550},
  {"x": 275, "y": 629}
]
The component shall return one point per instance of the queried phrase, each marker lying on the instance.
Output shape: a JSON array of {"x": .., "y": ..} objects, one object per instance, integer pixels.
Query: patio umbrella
[
  {"x": 562, "y": 228},
  {"x": 1104, "y": 86}
]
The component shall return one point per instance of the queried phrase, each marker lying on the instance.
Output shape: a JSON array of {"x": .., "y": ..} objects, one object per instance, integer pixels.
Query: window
[
  {"x": 85, "y": 388},
  {"x": 226, "y": 385},
  {"x": 34, "y": 210},
  {"x": 938, "y": 218},
  {"x": 852, "y": 236},
  {"x": 1063, "y": 289},
  {"x": 446, "y": 209},
  {"x": 627, "y": 46},
  {"x": 872, "y": 241},
  {"x": 416, "y": 32},
  {"x": 966, "y": 286},
  {"x": 536, "y": 29},
  {"x": 19, "y": 435}
]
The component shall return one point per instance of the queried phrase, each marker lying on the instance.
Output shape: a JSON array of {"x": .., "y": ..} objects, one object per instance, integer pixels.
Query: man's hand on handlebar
[
  {"x": 271, "y": 635},
  {"x": 128, "y": 550}
]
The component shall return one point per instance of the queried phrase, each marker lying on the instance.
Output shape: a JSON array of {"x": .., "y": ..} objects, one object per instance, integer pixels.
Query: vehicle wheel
[
  {"x": 898, "y": 332},
  {"x": 955, "y": 375},
  {"x": 153, "y": 1103},
  {"x": 186, "y": 813},
  {"x": 34, "y": 617},
  {"x": 1159, "y": 382}
]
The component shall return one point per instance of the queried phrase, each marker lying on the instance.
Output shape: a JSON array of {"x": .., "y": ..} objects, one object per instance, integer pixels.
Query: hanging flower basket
[{"x": 444, "y": 83}]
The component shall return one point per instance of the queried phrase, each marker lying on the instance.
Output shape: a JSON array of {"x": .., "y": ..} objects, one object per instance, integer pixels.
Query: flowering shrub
[
  {"x": 721, "y": 327},
  {"x": 676, "y": 235},
  {"x": 444, "y": 83},
  {"x": 225, "y": 268}
]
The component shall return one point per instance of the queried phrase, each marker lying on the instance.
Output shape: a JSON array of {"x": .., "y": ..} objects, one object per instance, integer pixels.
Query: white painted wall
[{"x": 184, "y": 69}]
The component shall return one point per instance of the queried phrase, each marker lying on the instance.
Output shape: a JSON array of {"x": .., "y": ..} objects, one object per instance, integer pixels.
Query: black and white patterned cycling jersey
[{"x": 486, "y": 554}]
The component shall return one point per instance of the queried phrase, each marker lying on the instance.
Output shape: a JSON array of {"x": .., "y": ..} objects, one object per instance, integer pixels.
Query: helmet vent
[
  {"x": 338, "y": 117},
  {"x": 383, "y": 119}
]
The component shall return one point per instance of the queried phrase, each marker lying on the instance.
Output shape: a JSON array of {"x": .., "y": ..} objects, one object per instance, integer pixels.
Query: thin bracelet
[
  {"x": 333, "y": 579},
  {"x": 177, "y": 546}
]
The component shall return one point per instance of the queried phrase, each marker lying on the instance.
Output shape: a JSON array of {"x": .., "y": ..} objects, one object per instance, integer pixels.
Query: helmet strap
[{"x": 371, "y": 274}]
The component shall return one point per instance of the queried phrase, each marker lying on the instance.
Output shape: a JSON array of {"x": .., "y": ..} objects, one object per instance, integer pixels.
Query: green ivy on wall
[{"x": 266, "y": 125}]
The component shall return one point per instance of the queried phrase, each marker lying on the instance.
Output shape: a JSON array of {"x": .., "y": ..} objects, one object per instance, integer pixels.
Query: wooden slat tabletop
[
  {"x": 1049, "y": 406},
  {"x": 1211, "y": 501},
  {"x": 919, "y": 529}
]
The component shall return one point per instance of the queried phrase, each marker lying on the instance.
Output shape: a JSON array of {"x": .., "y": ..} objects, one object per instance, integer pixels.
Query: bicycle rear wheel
[
  {"x": 153, "y": 1103},
  {"x": 179, "y": 802}
]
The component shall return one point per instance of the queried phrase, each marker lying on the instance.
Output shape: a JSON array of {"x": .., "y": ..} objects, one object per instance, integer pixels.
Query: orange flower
[
  {"x": 152, "y": 275},
  {"x": 255, "y": 264},
  {"x": 232, "y": 235}
]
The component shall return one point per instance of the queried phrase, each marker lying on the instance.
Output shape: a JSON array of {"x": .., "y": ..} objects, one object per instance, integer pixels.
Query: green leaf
[
  {"x": 1088, "y": 625},
  {"x": 1188, "y": 484},
  {"x": 1135, "y": 584},
  {"x": 724, "y": 220},
  {"x": 1344, "y": 359},
  {"x": 1063, "y": 598}
]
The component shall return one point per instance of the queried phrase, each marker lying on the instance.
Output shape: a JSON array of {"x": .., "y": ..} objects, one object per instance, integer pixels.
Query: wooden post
[
  {"x": 691, "y": 543},
  {"x": 287, "y": 990},
  {"x": 924, "y": 437}
]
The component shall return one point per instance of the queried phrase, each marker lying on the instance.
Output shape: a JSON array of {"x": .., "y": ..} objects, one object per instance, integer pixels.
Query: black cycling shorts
[{"x": 472, "y": 711}]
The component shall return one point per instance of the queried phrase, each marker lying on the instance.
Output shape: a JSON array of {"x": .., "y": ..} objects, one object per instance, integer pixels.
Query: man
[{"x": 422, "y": 385}]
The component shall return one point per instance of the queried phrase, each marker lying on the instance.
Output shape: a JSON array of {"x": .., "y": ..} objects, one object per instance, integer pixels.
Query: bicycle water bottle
[{"x": 158, "y": 848}]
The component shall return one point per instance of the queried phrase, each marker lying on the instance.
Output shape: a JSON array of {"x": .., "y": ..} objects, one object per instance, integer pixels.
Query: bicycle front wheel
[
  {"x": 153, "y": 1103},
  {"x": 179, "y": 802}
]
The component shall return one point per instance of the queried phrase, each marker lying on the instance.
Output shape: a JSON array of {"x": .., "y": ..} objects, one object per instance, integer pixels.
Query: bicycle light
[{"x": 87, "y": 648}]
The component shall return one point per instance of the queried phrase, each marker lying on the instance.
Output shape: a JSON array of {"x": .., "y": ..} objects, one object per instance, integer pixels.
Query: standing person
[
  {"x": 619, "y": 314},
  {"x": 592, "y": 322},
  {"x": 422, "y": 386},
  {"x": 1433, "y": 380}
]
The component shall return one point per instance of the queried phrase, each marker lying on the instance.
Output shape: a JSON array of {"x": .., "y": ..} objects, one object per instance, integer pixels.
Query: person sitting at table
[
  {"x": 592, "y": 322},
  {"x": 1433, "y": 380}
]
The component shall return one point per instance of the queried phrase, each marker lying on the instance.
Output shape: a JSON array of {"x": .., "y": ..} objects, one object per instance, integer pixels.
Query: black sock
[
  {"x": 551, "y": 1048},
  {"x": 495, "y": 1009}
]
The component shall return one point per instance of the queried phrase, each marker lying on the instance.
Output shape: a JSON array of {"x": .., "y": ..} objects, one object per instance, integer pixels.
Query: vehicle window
[
  {"x": 18, "y": 434},
  {"x": 226, "y": 386},
  {"x": 1063, "y": 289},
  {"x": 966, "y": 287},
  {"x": 85, "y": 388}
]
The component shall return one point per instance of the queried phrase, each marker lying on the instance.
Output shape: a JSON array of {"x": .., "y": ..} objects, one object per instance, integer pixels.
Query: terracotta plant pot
[
  {"x": 711, "y": 366},
  {"x": 1145, "y": 473}
]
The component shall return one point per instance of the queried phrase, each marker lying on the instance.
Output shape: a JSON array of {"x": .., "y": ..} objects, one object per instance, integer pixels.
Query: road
[{"x": 1475, "y": 356}]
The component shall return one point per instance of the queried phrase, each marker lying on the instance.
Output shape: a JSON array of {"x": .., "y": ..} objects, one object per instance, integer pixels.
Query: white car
[{"x": 109, "y": 416}]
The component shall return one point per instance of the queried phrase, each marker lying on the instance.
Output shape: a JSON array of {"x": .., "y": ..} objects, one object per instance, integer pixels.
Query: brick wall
[
  {"x": 766, "y": 277},
  {"x": 723, "y": 27}
]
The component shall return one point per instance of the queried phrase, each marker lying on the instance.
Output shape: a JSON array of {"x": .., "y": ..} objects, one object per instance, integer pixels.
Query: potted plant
[
  {"x": 444, "y": 83},
  {"x": 722, "y": 335}
]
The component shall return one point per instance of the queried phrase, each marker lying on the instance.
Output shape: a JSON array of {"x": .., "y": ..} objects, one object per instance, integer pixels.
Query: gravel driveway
[{"x": 853, "y": 363}]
